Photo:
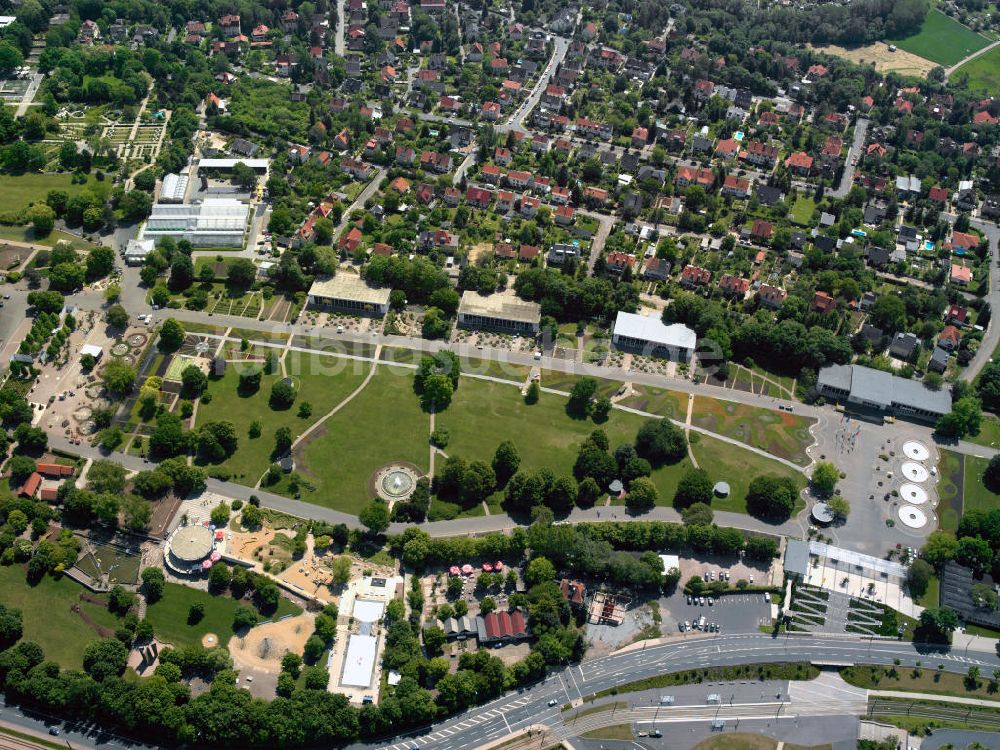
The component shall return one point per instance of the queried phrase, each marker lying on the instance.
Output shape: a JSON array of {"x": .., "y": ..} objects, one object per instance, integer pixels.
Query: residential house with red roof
[
  {"x": 771, "y": 296},
  {"x": 693, "y": 276},
  {"x": 949, "y": 338},
  {"x": 822, "y": 302},
  {"x": 734, "y": 286},
  {"x": 478, "y": 197},
  {"x": 617, "y": 262},
  {"x": 565, "y": 215},
  {"x": 761, "y": 154},
  {"x": 736, "y": 187},
  {"x": 799, "y": 163},
  {"x": 761, "y": 231},
  {"x": 351, "y": 241}
]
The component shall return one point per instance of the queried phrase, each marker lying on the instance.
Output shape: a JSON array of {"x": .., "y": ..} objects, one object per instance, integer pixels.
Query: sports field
[
  {"x": 983, "y": 72},
  {"x": 941, "y": 40}
]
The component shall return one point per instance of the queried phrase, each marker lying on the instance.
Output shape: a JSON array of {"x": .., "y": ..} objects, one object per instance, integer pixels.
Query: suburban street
[
  {"x": 991, "y": 338},
  {"x": 853, "y": 154},
  {"x": 516, "y": 121}
]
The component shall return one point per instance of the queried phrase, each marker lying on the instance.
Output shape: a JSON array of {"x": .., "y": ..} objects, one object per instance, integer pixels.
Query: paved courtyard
[{"x": 872, "y": 458}]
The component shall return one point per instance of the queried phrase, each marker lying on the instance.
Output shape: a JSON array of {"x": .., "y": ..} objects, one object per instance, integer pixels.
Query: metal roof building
[
  {"x": 216, "y": 222},
  {"x": 796, "y": 561},
  {"x": 260, "y": 164},
  {"x": 137, "y": 250},
  {"x": 359, "y": 661},
  {"x": 650, "y": 335},
  {"x": 881, "y": 391},
  {"x": 348, "y": 291},
  {"x": 501, "y": 311},
  {"x": 173, "y": 188}
]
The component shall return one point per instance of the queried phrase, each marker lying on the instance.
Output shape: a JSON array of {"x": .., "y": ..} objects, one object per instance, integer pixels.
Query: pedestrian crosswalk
[{"x": 483, "y": 717}]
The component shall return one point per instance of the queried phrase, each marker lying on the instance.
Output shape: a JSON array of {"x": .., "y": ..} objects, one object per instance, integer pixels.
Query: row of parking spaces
[{"x": 740, "y": 600}]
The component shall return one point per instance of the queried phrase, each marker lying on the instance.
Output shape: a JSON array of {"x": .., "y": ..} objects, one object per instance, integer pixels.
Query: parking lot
[{"x": 735, "y": 613}]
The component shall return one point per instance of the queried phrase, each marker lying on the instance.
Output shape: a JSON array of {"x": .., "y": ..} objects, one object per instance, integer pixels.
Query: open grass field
[
  {"x": 17, "y": 192},
  {"x": 941, "y": 40},
  {"x": 48, "y": 617},
  {"x": 483, "y": 414},
  {"x": 321, "y": 381},
  {"x": 564, "y": 381},
  {"x": 726, "y": 463},
  {"x": 951, "y": 489},
  {"x": 989, "y": 434},
  {"x": 169, "y": 615},
  {"x": 779, "y": 433},
  {"x": 983, "y": 72},
  {"x": 976, "y": 496},
  {"x": 383, "y": 423},
  {"x": 802, "y": 210},
  {"x": 27, "y": 234}
]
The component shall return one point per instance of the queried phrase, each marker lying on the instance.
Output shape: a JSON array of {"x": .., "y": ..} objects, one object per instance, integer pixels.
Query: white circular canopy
[{"x": 912, "y": 516}]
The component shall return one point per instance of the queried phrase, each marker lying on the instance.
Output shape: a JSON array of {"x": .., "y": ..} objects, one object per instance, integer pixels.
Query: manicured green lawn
[
  {"x": 989, "y": 434},
  {"x": 925, "y": 680},
  {"x": 27, "y": 234},
  {"x": 169, "y": 615},
  {"x": 802, "y": 210},
  {"x": 47, "y": 615},
  {"x": 322, "y": 381},
  {"x": 483, "y": 414},
  {"x": 384, "y": 423},
  {"x": 779, "y": 433},
  {"x": 17, "y": 192},
  {"x": 727, "y": 463},
  {"x": 983, "y": 72},
  {"x": 220, "y": 268},
  {"x": 564, "y": 381},
  {"x": 977, "y": 496},
  {"x": 941, "y": 40},
  {"x": 951, "y": 489},
  {"x": 931, "y": 597}
]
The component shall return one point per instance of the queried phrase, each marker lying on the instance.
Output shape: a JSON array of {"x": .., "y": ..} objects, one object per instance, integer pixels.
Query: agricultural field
[
  {"x": 884, "y": 60},
  {"x": 941, "y": 40},
  {"x": 983, "y": 72}
]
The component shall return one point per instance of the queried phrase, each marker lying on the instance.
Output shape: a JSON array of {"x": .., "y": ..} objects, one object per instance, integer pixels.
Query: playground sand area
[{"x": 264, "y": 645}]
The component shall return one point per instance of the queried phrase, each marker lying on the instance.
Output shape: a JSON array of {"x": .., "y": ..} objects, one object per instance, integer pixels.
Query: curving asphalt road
[{"x": 530, "y": 706}]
